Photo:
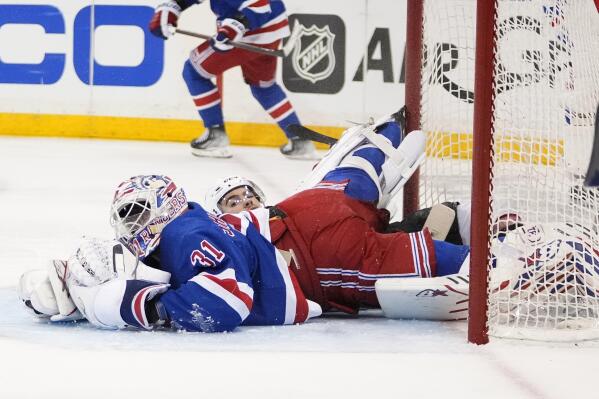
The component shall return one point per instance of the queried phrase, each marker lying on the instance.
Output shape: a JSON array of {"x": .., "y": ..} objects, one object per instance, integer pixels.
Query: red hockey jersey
[{"x": 339, "y": 251}]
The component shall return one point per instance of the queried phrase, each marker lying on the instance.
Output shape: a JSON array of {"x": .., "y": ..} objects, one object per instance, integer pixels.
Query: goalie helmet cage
[{"x": 519, "y": 147}]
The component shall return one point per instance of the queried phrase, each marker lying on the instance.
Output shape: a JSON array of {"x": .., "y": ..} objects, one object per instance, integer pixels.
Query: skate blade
[{"x": 222, "y": 152}]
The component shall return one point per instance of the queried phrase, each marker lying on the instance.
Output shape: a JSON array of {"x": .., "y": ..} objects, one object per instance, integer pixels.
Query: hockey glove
[
  {"x": 229, "y": 30},
  {"x": 166, "y": 16},
  {"x": 96, "y": 261},
  {"x": 36, "y": 292},
  {"x": 46, "y": 294},
  {"x": 121, "y": 303},
  {"x": 92, "y": 263},
  {"x": 98, "y": 279}
]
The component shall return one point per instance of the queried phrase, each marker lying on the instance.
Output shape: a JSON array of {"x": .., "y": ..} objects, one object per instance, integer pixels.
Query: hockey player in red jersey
[
  {"x": 261, "y": 23},
  {"x": 341, "y": 243}
]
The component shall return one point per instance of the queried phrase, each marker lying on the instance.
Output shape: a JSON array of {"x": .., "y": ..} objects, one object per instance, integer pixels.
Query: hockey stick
[
  {"x": 592, "y": 177},
  {"x": 249, "y": 47},
  {"x": 309, "y": 134}
]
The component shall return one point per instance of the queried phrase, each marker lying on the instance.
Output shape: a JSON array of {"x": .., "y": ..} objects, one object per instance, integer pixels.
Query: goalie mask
[
  {"x": 142, "y": 206},
  {"x": 215, "y": 195}
]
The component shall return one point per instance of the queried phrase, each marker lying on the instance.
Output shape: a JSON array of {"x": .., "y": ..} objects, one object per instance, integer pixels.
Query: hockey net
[{"x": 542, "y": 278}]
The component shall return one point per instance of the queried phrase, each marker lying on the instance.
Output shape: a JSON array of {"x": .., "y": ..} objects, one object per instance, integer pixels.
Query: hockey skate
[
  {"x": 297, "y": 148},
  {"x": 212, "y": 143}
]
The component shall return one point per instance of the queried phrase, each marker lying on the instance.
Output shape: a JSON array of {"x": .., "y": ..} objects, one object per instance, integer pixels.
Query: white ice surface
[{"x": 52, "y": 191}]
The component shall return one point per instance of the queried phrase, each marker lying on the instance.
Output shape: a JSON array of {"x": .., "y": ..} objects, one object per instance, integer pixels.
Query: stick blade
[{"x": 309, "y": 134}]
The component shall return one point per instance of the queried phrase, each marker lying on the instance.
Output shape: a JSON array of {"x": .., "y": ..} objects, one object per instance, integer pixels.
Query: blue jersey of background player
[{"x": 261, "y": 23}]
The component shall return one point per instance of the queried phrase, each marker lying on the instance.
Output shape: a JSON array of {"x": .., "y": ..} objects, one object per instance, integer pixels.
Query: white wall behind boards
[{"x": 347, "y": 61}]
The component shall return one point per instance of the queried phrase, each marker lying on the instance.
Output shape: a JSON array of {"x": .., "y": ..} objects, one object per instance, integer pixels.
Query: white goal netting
[{"x": 544, "y": 275}]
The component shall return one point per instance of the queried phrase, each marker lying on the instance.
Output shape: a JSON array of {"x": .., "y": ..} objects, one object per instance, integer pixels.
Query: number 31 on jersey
[{"x": 207, "y": 255}]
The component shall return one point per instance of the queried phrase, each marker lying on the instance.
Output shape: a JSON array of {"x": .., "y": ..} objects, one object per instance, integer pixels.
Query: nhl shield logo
[
  {"x": 317, "y": 62},
  {"x": 313, "y": 57}
]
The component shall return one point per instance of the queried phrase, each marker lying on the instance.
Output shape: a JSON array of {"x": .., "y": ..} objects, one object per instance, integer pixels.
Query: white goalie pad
[
  {"x": 349, "y": 140},
  {"x": 435, "y": 298},
  {"x": 45, "y": 291},
  {"x": 399, "y": 167},
  {"x": 56, "y": 275},
  {"x": 35, "y": 287}
]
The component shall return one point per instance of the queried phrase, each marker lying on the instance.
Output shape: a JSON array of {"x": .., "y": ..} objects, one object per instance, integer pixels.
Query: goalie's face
[
  {"x": 131, "y": 216},
  {"x": 141, "y": 208}
]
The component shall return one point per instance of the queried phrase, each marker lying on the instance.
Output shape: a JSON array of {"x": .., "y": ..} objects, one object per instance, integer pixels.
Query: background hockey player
[
  {"x": 261, "y": 22},
  {"x": 203, "y": 274},
  {"x": 334, "y": 230}
]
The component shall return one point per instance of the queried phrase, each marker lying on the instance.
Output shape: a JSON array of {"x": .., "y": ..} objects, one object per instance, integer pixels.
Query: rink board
[{"x": 96, "y": 63}]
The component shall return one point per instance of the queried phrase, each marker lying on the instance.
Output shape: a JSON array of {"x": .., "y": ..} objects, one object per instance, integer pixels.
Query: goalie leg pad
[
  {"x": 436, "y": 298},
  {"x": 399, "y": 168},
  {"x": 350, "y": 139},
  {"x": 388, "y": 164},
  {"x": 387, "y": 161}
]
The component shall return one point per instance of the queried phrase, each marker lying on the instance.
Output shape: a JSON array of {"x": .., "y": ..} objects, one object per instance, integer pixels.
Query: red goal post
[{"x": 518, "y": 147}]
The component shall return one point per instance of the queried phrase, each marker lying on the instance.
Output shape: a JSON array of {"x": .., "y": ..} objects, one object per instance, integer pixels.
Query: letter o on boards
[
  {"x": 52, "y": 66},
  {"x": 145, "y": 74},
  {"x": 50, "y": 69}
]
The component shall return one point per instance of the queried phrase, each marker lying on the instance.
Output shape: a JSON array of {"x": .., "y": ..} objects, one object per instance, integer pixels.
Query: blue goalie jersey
[{"x": 221, "y": 278}]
